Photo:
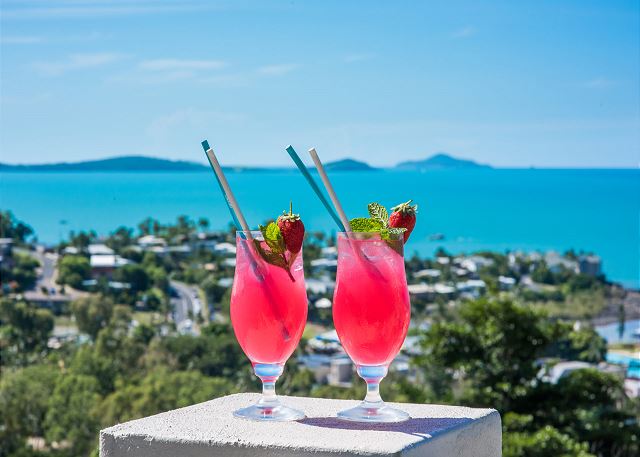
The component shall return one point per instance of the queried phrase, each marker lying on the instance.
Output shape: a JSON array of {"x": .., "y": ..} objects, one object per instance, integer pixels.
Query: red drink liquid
[
  {"x": 268, "y": 309},
  {"x": 371, "y": 309}
]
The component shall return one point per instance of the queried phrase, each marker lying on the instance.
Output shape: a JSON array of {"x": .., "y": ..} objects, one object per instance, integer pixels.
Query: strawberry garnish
[
  {"x": 282, "y": 241},
  {"x": 292, "y": 230},
  {"x": 404, "y": 216}
]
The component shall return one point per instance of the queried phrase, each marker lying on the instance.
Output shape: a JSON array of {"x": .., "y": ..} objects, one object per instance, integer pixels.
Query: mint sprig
[
  {"x": 378, "y": 212},
  {"x": 378, "y": 222},
  {"x": 275, "y": 255}
]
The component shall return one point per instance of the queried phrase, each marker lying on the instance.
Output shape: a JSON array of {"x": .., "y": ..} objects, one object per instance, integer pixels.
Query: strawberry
[
  {"x": 292, "y": 230},
  {"x": 404, "y": 216}
]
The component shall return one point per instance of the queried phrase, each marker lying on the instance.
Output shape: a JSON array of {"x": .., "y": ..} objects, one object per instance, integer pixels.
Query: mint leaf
[
  {"x": 270, "y": 256},
  {"x": 363, "y": 224},
  {"x": 397, "y": 230},
  {"x": 273, "y": 237},
  {"x": 379, "y": 213}
]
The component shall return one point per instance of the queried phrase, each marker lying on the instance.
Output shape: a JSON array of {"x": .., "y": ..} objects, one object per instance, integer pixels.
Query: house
[
  {"x": 320, "y": 286},
  {"x": 70, "y": 250},
  {"x": 105, "y": 265},
  {"x": 430, "y": 291},
  {"x": 427, "y": 273},
  {"x": 225, "y": 248},
  {"x": 474, "y": 263},
  {"x": 323, "y": 303},
  {"x": 589, "y": 265},
  {"x": 324, "y": 265},
  {"x": 6, "y": 252},
  {"x": 556, "y": 263},
  {"x": 148, "y": 241},
  {"x": 329, "y": 252},
  {"x": 506, "y": 282},
  {"x": 473, "y": 287},
  {"x": 99, "y": 249}
]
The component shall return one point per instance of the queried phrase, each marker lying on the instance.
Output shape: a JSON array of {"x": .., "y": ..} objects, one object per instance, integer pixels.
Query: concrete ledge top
[{"x": 209, "y": 429}]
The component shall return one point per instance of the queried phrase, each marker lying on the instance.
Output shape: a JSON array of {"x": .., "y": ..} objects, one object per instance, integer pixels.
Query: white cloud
[
  {"x": 278, "y": 69},
  {"x": 598, "y": 83},
  {"x": 464, "y": 32},
  {"x": 351, "y": 58},
  {"x": 21, "y": 39},
  {"x": 76, "y": 62},
  {"x": 180, "y": 65}
]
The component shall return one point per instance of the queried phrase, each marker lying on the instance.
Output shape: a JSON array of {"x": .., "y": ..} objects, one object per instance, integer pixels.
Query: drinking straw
[
  {"x": 343, "y": 217},
  {"x": 316, "y": 189},
  {"x": 241, "y": 224},
  {"x": 329, "y": 187},
  {"x": 238, "y": 219}
]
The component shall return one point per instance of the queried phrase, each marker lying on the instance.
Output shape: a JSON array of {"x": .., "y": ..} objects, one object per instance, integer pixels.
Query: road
[
  {"x": 186, "y": 306},
  {"x": 47, "y": 274}
]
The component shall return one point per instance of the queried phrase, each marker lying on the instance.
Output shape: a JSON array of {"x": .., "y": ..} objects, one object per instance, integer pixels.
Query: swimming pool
[{"x": 632, "y": 363}]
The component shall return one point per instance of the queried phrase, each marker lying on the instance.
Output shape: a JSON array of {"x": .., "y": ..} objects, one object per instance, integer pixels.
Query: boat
[{"x": 436, "y": 237}]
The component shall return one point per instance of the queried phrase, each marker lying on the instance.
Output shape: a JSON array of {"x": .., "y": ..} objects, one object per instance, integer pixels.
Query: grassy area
[
  {"x": 147, "y": 317},
  {"x": 64, "y": 321},
  {"x": 624, "y": 348},
  {"x": 581, "y": 305},
  {"x": 205, "y": 306},
  {"x": 312, "y": 330}
]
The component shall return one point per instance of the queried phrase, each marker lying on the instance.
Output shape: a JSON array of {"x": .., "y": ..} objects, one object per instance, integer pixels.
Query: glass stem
[
  {"x": 372, "y": 376},
  {"x": 269, "y": 391},
  {"x": 373, "y": 392},
  {"x": 268, "y": 374}
]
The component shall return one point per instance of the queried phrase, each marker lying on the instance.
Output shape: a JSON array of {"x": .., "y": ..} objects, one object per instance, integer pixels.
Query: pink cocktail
[
  {"x": 268, "y": 313},
  {"x": 371, "y": 314}
]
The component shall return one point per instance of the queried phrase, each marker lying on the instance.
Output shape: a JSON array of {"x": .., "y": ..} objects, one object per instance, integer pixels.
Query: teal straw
[
  {"x": 236, "y": 222},
  {"x": 314, "y": 186}
]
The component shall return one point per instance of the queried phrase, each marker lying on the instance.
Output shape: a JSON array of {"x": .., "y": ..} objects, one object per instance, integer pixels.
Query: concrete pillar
[{"x": 209, "y": 429}]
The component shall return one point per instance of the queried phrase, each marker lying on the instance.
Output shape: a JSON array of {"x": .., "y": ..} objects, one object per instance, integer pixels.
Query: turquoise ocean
[{"x": 479, "y": 209}]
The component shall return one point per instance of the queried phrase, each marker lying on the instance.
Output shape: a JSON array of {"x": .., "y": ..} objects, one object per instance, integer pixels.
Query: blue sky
[{"x": 542, "y": 83}]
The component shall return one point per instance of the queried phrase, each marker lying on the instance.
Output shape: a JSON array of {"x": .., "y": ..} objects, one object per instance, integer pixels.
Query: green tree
[
  {"x": 82, "y": 239},
  {"x": 120, "y": 239},
  {"x": 161, "y": 390},
  {"x": 24, "y": 396},
  {"x": 133, "y": 274},
  {"x": 72, "y": 270},
  {"x": 495, "y": 343},
  {"x": 92, "y": 313},
  {"x": 10, "y": 227},
  {"x": 583, "y": 344},
  {"x": 23, "y": 273},
  {"x": 546, "y": 442},
  {"x": 214, "y": 353},
  {"x": 72, "y": 413},
  {"x": 24, "y": 329}
]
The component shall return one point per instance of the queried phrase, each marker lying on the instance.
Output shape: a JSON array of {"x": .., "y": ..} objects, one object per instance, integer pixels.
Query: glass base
[
  {"x": 269, "y": 411},
  {"x": 370, "y": 412}
]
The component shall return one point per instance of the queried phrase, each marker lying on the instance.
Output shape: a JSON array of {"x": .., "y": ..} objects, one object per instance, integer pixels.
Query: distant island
[
  {"x": 438, "y": 162},
  {"x": 125, "y": 163},
  {"x": 142, "y": 163},
  {"x": 348, "y": 165}
]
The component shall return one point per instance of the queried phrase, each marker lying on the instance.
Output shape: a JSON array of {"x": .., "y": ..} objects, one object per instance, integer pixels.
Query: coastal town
[
  {"x": 172, "y": 284},
  {"x": 183, "y": 301}
]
